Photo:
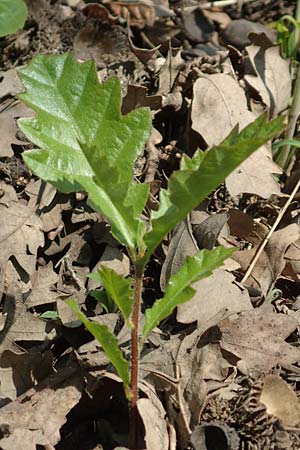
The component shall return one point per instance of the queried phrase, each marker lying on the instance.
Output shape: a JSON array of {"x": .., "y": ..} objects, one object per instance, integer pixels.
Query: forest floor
[{"x": 223, "y": 371}]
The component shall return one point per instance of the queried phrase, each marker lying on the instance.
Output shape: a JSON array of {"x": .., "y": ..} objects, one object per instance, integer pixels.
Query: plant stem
[
  {"x": 285, "y": 158},
  {"x": 133, "y": 435}
]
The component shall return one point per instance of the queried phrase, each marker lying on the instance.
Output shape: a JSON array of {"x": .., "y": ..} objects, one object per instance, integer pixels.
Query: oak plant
[{"x": 86, "y": 144}]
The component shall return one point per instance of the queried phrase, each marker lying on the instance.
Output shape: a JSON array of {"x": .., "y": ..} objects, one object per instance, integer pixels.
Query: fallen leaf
[
  {"x": 137, "y": 96},
  {"x": 36, "y": 417},
  {"x": 20, "y": 234},
  {"x": 43, "y": 290},
  {"x": 257, "y": 339},
  {"x": 222, "y": 94},
  {"x": 111, "y": 258},
  {"x": 10, "y": 83},
  {"x": 292, "y": 258},
  {"x": 213, "y": 294},
  {"x": 182, "y": 244},
  {"x": 20, "y": 324},
  {"x": 271, "y": 262},
  {"x": 273, "y": 79},
  {"x": 153, "y": 415},
  {"x": 206, "y": 233},
  {"x": 20, "y": 371},
  {"x": 255, "y": 175},
  {"x": 169, "y": 71}
]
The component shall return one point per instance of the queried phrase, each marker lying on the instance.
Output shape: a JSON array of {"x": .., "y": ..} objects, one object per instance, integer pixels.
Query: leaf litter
[{"x": 229, "y": 345}]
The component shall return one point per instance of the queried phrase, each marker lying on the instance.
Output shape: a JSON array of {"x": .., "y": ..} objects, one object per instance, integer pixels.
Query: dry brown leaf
[
  {"x": 213, "y": 294},
  {"x": 273, "y": 78},
  {"x": 20, "y": 234},
  {"x": 43, "y": 290},
  {"x": 137, "y": 96},
  {"x": 255, "y": 175},
  {"x": 153, "y": 415},
  {"x": 280, "y": 400},
  {"x": 35, "y": 418},
  {"x": 223, "y": 95},
  {"x": 8, "y": 135},
  {"x": 207, "y": 231},
  {"x": 257, "y": 339},
  {"x": 114, "y": 259},
  {"x": 41, "y": 194},
  {"x": 74, "y": 267},
  {"x": 10, "y": 83},
  {"x": 182, "y": 244},
  {"x": 138, "y": 13},
  {"x": 20, "y": 324},
  {"x": 169, "y": 71},
  {"x": 271, "y": 262},
  {"x": 19, "y": 372},
  {"x": 9, "y": 112},
  {"x": 100, "y": 12},
  {"x": 292, "y": 258}
]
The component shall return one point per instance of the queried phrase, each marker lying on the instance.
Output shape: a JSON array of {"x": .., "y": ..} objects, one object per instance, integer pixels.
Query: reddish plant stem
[{"x": 133, "y": 433}]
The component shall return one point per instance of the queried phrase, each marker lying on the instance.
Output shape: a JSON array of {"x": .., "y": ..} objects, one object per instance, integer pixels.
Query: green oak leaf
[
  {"x": 200, "y": 175},
  {"x": 85, "y": 143},
  {"x": 179, "y": 289},
  {"x": 13, "y": 14},
  {"x": 108, "y": 342},
  {"x": 118, "y": 288}
]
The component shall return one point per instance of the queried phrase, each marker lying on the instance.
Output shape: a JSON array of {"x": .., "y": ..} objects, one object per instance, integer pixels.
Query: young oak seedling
[{"x": 86, "y": 144}]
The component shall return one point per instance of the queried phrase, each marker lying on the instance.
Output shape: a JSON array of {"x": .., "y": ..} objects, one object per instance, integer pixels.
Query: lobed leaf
[
  {"x": 108, "y": 342},
  {"x": 201, "y": 175},
  {"x": 118, "y": 288},
  {"x": 179, "y": 288},
  {"x": 13, "y": 14},
  {"x": 86, "y": 144}
]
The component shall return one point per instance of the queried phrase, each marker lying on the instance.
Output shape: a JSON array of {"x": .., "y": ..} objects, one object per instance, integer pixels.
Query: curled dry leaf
[
  {"x": 20, "y": 234},
  {"x": 100, "y": 12},
  {"x": 137, "y": 96},
  {"x": 272, "y": 78},
  {"x": 280, "y": 400},
  {"x": 138, "y": 13},
  {"x": 223, "y": 95},
  {"x": 272, "y": 260},
  {"x": 292, "y": 259},
  {"x": 43, "y": 290},
  {"x": 169, "y": 71}
]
